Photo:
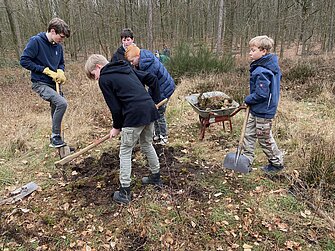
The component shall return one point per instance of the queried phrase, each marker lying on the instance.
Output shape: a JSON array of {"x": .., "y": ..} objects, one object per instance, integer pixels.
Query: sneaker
[
  {"x": 163, "y": 140},
  {"x": 153, "y": 179},
  {"x": 56, "y": 141},
  {"x": 272, "y": 169},
  {"x": 122, "y": 196}
]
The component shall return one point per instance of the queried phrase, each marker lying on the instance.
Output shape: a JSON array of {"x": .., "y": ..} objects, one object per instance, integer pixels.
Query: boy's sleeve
[
  {"x": 151, "y": 81},
  {"x": 61, "y": 63},
  {"x": 261, "y": 92},
  {"x": 28, "y": 54}
]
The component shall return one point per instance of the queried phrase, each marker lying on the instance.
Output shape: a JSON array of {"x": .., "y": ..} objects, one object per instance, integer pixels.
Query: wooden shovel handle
[
  {"x": 246, "y": 116},
  {"x": 87, "y": 148},
  {"x": 162, "y": 103},
  {"x": 57, "y": 87},
  {"x": 97, "y": 142}
]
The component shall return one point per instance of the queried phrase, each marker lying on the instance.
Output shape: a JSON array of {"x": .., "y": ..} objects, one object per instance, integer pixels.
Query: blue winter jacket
[
  {"x": 150, "y": 63},
  {"x": 39, "y": 54},
  {"x": 265, "y": 78}
]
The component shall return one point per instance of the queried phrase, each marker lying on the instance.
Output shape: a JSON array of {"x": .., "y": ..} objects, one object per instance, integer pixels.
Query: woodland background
[{"x": 224, "y": 26}]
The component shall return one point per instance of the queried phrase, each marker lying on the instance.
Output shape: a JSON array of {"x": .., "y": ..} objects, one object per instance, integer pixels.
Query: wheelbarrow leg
[
  {"x": 224, "y": 119},
  {"x": 202, "y": 128},
  {"x": 204, "y": 123}
]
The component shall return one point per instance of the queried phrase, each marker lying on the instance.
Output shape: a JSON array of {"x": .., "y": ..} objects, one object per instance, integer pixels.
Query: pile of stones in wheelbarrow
[{"x": 214, "y": 103}]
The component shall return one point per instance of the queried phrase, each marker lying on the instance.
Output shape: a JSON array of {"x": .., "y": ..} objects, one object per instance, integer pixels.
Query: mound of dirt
[{"x": 95, "y": 180}]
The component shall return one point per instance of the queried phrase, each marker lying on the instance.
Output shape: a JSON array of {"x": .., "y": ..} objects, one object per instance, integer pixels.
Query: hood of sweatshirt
[
  {"x": 116, "y": 67},
  {"x": 269, "y": 61}
]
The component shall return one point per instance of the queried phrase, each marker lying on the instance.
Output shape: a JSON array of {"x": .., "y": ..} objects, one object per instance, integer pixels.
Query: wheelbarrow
[{"x": 210, "y": 116}]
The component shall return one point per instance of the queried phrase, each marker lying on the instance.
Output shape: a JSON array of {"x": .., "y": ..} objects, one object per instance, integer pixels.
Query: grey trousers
[
  {"x": 260, "y": 129},
  {"x": 129, "y": 138},
  {"x": 57, "y": 102}
]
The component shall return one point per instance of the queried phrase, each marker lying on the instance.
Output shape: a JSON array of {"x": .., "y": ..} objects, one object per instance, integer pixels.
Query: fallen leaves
[
  {"x": 293, "y": 245},
  {"x": 306, "y": 213}
]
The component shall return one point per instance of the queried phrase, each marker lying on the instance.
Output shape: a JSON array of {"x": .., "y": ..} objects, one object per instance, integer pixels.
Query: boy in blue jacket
[
  {"x": 263, "y": 100},
  {"x": 43, "y": 56},
  {"x": 145, "y": 60},
  {"x": 133, "y": 111}
]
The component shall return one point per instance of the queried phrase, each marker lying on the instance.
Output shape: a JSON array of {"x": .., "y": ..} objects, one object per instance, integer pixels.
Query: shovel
[
  {"x": 63, "y": 150},
  {"x": 236, "y": 161},
  {"x": 89, "y": 147}
]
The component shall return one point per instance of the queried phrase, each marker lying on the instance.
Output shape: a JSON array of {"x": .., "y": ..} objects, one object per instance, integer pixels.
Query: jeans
[
  {"x": 160, "y": 124},
  {"x": 57, "y": 102},
  {"x": 129, "y": 138}
]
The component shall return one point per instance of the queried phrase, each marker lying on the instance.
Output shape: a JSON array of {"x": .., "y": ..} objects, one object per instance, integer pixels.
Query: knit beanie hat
[{"x": 132, "y": 51}]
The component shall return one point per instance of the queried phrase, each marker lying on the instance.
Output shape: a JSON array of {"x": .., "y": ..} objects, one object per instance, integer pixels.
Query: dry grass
[{"x": 252, "y": 207}]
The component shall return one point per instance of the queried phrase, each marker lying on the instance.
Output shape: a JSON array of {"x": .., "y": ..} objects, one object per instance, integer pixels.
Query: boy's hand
[
  {"x": 114, "y": 132},
  {"x": 60, "y": 76},
  {"x": 50, "y": 73}
]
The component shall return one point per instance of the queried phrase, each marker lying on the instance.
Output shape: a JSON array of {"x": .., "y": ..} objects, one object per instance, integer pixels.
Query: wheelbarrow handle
[{"x": 241, "y": 107}]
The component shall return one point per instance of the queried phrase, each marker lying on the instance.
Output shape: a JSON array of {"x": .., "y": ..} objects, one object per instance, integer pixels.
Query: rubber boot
[
  {"x": 153, "y": 179},
  {"x": 122, "y": 196}
]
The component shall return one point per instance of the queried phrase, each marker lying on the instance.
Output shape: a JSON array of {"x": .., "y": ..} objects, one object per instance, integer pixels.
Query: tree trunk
[
  {"x": 15, "y": 28},
  {"x": 331, "y": 28},
  {"x": 218, "y": 45},
  {"x": 149, "y": 28},
  {"x": 229, "y": 27}
]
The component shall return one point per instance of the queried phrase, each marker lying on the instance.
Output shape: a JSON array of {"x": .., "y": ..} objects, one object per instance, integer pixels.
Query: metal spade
[{"x": 236, "y": 161}]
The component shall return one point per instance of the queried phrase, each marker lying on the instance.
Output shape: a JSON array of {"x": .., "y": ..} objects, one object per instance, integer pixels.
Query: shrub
[
  {"x": 188, "y": 61},
  {"x": 300, "y": 72},
  {"x": 320, "y": 173}
]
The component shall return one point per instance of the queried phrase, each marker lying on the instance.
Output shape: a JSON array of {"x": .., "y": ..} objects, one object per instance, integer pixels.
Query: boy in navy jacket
[
  {"x": 263, "y": 100},
  {"x": 43, "y": 56},
  {"x": 127, "y": 38}
]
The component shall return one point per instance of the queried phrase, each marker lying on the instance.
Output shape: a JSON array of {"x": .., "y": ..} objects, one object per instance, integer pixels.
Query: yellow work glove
[
  {"x": 60, "y": 76},
  {"x": 50, "y": 73}
]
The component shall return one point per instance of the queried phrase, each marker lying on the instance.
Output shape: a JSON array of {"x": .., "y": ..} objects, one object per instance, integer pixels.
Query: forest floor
[{"x": 202, "y": 205}]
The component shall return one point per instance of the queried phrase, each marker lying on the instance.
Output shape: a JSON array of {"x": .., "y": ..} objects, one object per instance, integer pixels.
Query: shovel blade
[
  {"x": 64, "y": 151},
  {"x": 237, "y": 163}
]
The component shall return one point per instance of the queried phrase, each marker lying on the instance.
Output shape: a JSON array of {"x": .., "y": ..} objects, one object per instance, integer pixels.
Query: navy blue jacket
[
  {"x": 150, "y": 63},
  {"x": 264, "y": 94},
  {"x": 39, "y": 54},
  {"x": 119, "y": 54},
  {"x": 127, "y": 99}
]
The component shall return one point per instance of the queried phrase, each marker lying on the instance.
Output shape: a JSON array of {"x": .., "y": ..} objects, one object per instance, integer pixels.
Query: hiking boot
[
  {"x": 272, "y": 169},
  {"x": 56, "y": 141},
  {"x": 72, "y": 149},
  {"x": 153, "y": 179},
  {"x": 122, "y": 196}
]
